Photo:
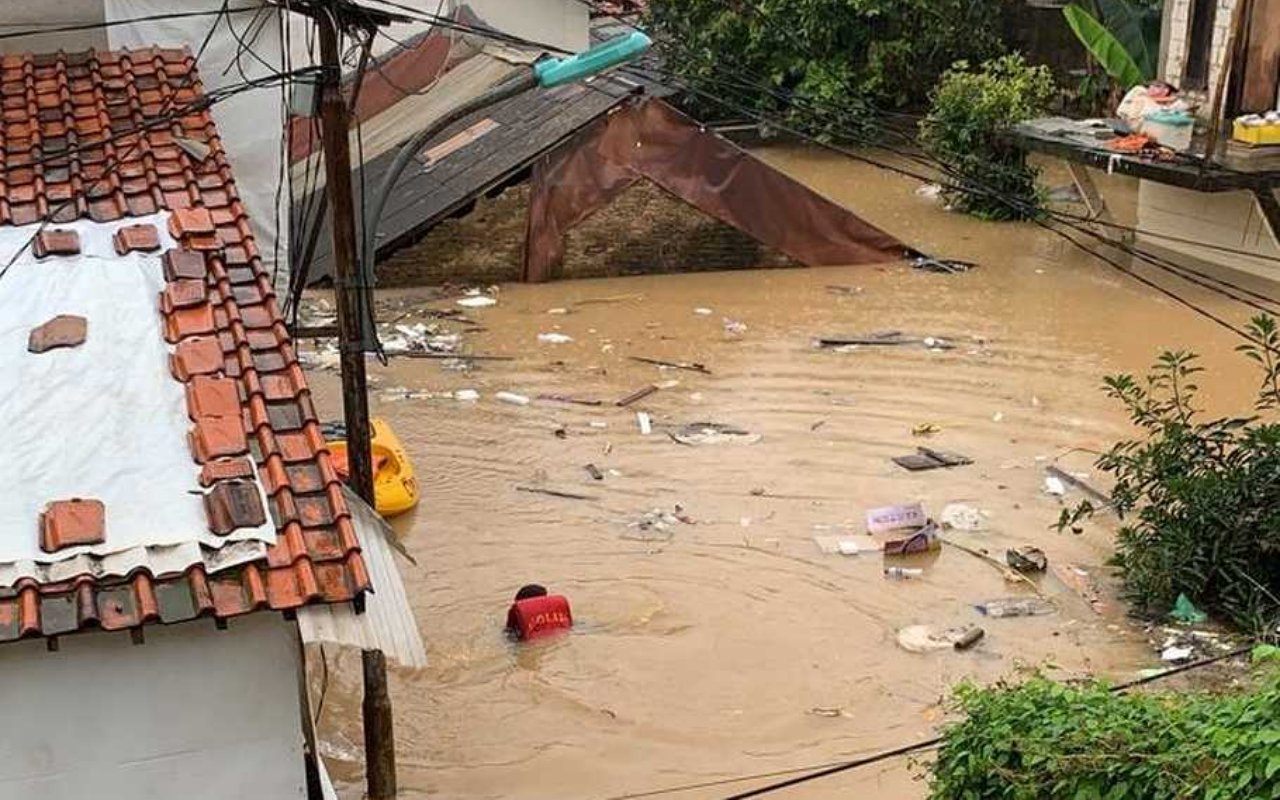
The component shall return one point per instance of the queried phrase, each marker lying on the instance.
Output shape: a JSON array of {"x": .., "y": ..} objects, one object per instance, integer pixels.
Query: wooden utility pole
[
  {"x": 335, "y": 121},
  {"x": 379, "y": 732}
]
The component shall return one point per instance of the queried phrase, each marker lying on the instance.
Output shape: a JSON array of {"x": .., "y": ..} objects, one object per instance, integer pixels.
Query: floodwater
[{"x": 738, "y": 647}]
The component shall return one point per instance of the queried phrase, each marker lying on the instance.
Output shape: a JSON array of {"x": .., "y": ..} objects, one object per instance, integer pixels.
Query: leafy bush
[
  {"x": 1041, "y": 740},
  {"x": 1200, "y": 498},
  {"x": 833, "y": 62},
  {"x": 970, "y": 110}
]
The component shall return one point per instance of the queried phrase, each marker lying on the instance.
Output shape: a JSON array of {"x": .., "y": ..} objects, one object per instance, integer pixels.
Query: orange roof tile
[{"x": 83, "y": 137}]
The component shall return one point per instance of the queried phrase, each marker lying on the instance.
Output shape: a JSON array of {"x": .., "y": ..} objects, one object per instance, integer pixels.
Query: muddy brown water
[{"x": 737, "y": 647}]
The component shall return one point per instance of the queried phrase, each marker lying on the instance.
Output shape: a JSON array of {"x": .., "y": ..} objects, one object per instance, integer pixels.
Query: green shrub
[
  {"x": 1041, "y": 740},
  {"x": 833, "y": 62},
  {"x": 1199, "y": 499},
  {"x": 970, "y": 110}
]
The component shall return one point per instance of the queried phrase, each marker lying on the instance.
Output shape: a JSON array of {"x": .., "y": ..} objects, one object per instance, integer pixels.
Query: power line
[
  {"x": 816, "y": 771},
  {"x": 816, "y": 104},
  {"x": 88, "y": 26},
  {"x": 977, "y": 189}
]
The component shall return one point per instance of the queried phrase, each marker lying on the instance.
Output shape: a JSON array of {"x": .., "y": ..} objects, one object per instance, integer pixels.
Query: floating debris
[
  {"x": 924, "y": 639},
  {"x": 686, "y": 365},
  {"x": 637, "y": 395},
  {"x": 477, "y": 301},
  {"x": 645, "y": 422},
  {"x": 1081, "y": 582},
  {"x": 962, "y": 517},
  {"x": 881, "y": 339},
  {"x": 576, "y": 401},
  {"x": 466, "y": 395},
  {"x": 703, "y": 433},
  {"x": 733, "y": 327},
  {"x": 657, "y": 524},
  {"x": 1003, "y": 607},
  {"x": 1027, "y": 559},
  {"x": 902, "y": 573},
  {"x": 844, "y": 291},
  {"x": 922, "y": 541},
  {"x": 887, "y": 519},
  {"x": 703, "y": 312},
  {"x": 926, "y": 429},
  {"x": 924, "y": 458},
  {"x": 554, "y": 338},
  {"x": 945, "y": 266},
  {"x": 1053, "y": 485},
  {"x": 512, "y": 398},
  {"x": 594, "y": 472},
  {"x": 553, "y": 493}
]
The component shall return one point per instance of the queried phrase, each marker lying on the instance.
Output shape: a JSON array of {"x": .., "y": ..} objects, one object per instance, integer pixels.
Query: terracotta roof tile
[
  {"x": 245, "y": 390},
  {"x": 66, "y": 523},
  {"x": 64, "y": 330}
]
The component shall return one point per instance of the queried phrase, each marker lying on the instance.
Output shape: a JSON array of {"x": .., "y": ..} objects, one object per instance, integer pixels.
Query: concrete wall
[
  {"x": 562, "y": 23},
  {"x": 24, "y": 15},
  {"x": 194, "y": 713},
  {"x": 645, "y": 230}
]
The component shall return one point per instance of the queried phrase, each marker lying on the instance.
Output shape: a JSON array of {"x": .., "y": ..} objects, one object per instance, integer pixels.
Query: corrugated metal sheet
[{"x": 387, "y": 623}]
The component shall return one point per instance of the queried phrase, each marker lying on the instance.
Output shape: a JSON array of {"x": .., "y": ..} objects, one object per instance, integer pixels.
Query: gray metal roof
[{"x": 528, "y": 126}]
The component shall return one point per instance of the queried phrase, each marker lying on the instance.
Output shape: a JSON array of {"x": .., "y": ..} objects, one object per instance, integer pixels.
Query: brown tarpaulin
[{"x": 650, "y": 139}]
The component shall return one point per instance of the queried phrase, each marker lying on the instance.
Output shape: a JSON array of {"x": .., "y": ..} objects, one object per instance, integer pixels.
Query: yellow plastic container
[
  {"x": 1256, "y": 134},
  {"x": 395, "y": 488}
]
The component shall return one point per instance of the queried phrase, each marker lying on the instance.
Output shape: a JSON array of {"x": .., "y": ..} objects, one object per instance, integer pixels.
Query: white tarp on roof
[
  {"x": 387, "y": 623},
  {"x": 251, "y": 124},
  {"x": 104, "y": 420}
]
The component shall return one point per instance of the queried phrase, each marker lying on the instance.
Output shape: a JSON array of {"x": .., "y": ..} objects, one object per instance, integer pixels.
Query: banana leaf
[
  {"x": 1103, "y": 45},
  {"x": 1137, "y": 28}
]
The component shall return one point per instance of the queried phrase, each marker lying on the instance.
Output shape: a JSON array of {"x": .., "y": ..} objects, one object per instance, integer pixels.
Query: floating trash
[{"x": 703, "y": 433}]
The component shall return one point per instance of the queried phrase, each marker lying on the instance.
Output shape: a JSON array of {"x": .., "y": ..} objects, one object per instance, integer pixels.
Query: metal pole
[
  {"x": 335, "y": 123},
  {"x": 379, "y": 733}
]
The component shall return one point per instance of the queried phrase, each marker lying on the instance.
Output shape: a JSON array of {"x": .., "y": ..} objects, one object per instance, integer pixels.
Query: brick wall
[
  {"x": 1178, "y": 42},
  {"x": 644, "y": 230}
]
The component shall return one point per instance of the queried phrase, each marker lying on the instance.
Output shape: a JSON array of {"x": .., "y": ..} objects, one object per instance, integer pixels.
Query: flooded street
[{"x": 737, "y": 646}]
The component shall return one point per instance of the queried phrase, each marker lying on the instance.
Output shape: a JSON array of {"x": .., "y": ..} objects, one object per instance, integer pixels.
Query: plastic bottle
[{"x": 902, "y": 573}]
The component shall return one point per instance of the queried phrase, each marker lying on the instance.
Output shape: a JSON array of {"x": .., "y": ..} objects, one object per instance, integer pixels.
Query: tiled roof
[{"x": 85, "y": 136}]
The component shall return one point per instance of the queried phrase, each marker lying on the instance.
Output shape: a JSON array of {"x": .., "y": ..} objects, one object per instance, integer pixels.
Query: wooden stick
[
  {"x": 1006, "y": 571},
  {"x": 379, "y": 729},
  {"x": 638, "y": 394},
  {"x": 447, "y": 356},
  {"x": 553, "y": 493},
  {"x": 1068, "y": 478},
  {"x": 561, "y": 398},
  {"x": 657, "y": 362}
]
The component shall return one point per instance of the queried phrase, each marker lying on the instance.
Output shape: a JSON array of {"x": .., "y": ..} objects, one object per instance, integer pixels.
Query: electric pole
[{"x": 335, "y": 119}]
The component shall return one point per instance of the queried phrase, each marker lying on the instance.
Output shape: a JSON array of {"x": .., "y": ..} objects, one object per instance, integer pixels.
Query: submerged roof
[
  {"x": 479, "y": 153},
  {"x": 164, "y": 459}
]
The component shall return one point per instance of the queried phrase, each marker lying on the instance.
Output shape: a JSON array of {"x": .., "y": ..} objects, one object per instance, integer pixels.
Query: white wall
[
  {"x": 563, "y": 23},
  {"x": 193, "y": 714},
  {"x": 24, "y": 15}
]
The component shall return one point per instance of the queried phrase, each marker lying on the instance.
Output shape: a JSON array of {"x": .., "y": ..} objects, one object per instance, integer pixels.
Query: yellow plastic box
[{"x": 1259, "y": 135}]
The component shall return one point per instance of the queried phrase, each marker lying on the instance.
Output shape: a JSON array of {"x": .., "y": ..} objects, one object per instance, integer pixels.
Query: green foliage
[
  {"x": 1042, "y": 741},
  {"x": 1200, "y": 499},
  {"x": 968, "y": 113},
  {"x": 827, "y": 65},
  {"x": 1103, "y": 45},
  {"x": 1123, "y": 36}
]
